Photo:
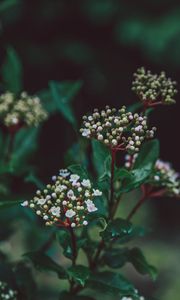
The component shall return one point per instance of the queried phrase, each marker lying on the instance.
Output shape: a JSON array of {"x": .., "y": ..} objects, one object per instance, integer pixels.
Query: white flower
[
  {"x": 138, "y": 128},
  {"x": 97, "y": 193},
  {"x": 55, "y": 211},
  {"x": 90, "y": 206},
  {"x": 64, "y": 173},
  {"x": 85, "y": 222},
  {"x": 70, "y": 213},
  {"x": 41, "y": 201},
  {"x": 25, "y": 203},
  {"x": 73, "y": 225},
  {"x": 54, "y": 178},
  {"x": 86, "y": 132},
  {"x": 70, "y": 194},
  {"x": 87, "y": 194},
  {"x": 156, "y": 177},
  {"x": 74, "y": 178},
  {"x": 86, "y": 183}
]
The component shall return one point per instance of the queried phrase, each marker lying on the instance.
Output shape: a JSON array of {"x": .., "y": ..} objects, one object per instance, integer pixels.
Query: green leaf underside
[
  {"x": 79, "y": 170},
  {"x": 43, "y": 262},
  {"x": 62, "y": 94},
  {"x": 110, "y": 282},
  {"x": 140, "y": 263},
  {"x": 142, "y": 169},
  {"x": 67, "y": 296},
  {"x": 12, "y": 72},
  {"x": 8, "y": 204},
  {"x": 64, "y": 240},
  {"x": 24, "y": 146},
  {"x": 99, "y": 155},
  {"x": 79, "y": 274},
  {"x": 117, "y": 258}
]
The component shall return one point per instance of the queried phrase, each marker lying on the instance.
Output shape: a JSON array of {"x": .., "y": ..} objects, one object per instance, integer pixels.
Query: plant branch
[
  {"x": 74, "y": 246},
  {"x": 113, "y": 159}
]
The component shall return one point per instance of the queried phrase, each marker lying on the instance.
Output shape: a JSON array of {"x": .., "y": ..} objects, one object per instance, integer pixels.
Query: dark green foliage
[{"x": 43, "y": 262}]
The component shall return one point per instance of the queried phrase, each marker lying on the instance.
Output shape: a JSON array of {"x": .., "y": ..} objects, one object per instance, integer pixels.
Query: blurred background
[{"x": 101, "y": 43}]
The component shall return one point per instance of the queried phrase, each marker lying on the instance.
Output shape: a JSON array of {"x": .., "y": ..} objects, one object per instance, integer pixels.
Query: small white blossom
[
  {"x": 86, "y": 132},
  {"x": 55, "y": 211},
  {"x": 70, "y": 213},
  {"x": 70, "y": 194},
  {"x": 64, "y": 173},
  {"x": 86, "y": 183},
  {"x": 97, "y": 193},
  {"x": 25, "y": 203},
  {"x": 74, "y": 178},
  {"x": 90, "y": 206},
  {"x": 41, "y": 201}
]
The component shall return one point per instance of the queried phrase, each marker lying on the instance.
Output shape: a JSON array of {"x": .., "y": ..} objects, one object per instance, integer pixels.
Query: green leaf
[
  {"x": 79, "y": 274},
  {"x": 116, "y": 258},
  {"x": 12, "y": 72},
  {"x": 7, "y": 4},
  {"x": 62, "y": 94},
  {"x": 8, "y": 204},
  {"x": 67, "y": 296},
  {"x": 79, "y": 170},
  {"x": 109, "y": 282},
  {"x": 64, "y": 239},
  {"x": 25, "y": 144},
  {"x": 43, "y": 262},
  {"x": 148, "y": 155},
  {"x": 99, "y": 156},
  {"x": 136, "y": 257},
  {"x": 143, "y": 166},
  {"x": 117, "y": 229},
  {"x": 32, "y": 178}
]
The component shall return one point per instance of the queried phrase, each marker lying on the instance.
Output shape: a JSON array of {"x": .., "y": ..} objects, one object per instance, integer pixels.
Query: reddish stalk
[{"x": 147, "y": 192}]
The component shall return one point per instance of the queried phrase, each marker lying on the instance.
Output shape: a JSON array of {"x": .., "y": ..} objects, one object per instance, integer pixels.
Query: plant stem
[
  {"x": 48, "y": 243},
  {"x": 113, "y": 159},
  {"x": 74, "y": 257},
  {"x": 136, "y": 207},
  {"x": 74, "y": 246}
]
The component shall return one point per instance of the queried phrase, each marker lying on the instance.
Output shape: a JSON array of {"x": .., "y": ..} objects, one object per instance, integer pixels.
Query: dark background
[{"x": 101, "y": 42}]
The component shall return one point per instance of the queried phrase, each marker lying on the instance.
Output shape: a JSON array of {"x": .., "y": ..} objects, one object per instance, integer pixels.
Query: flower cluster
[
  {"x": 7, "y": 293},
  {"x": 25, "y": 110},
  {"x": 152, "y": 88},
  {"x": 163, "y": 175},
  {"x": 120, "y": 130},
  {"x": 66, "y": 202},
  {"x": 132, "y": 298}
]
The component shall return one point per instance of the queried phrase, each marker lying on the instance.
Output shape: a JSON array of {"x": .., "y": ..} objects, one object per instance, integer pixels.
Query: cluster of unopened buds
[
  {"x": 163, "y": 176},
  {"x": 118, "y": 129},
  {"x": 22, "y": 110},
  {"x": 153, "y": 89},
  {"x": 6, "y": 293},
  {"x": 66, "y": 202}
]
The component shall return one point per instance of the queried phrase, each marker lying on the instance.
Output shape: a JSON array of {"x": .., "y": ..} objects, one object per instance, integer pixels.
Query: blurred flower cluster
[
  {"x": 163, "y": 175},
  {"x": 22, "y": 110},
  {"x": 6, "y": 293},
  {"x": 151, "y": 88}
]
